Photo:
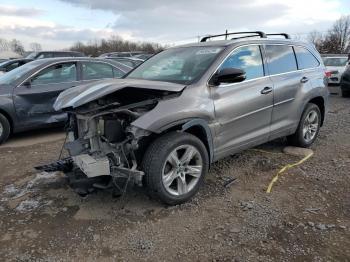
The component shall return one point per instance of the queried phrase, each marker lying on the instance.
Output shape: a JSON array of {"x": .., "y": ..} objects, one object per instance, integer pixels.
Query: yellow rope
[
  {"x": 285, "y": 168},
  {"x": 264, "y": 151}
]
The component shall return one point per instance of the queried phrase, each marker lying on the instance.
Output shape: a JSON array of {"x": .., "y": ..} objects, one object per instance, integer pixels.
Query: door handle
[
  {"x": 266, "y": 90},
  {"x": 304, "y": 80}
]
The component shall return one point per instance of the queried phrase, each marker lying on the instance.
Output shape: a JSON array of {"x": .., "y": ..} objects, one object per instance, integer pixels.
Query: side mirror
[{"x": 229, "y": 75}]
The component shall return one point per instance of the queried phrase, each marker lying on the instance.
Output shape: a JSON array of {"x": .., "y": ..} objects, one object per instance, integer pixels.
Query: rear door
[
  {"x": 287, "y": 82},
  {"x": 307, "y": 62},
  {"x": 34, "y": 99},
  {"x": 243, "y": 109}
]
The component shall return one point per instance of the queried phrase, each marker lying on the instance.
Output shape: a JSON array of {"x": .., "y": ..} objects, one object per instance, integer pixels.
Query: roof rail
[
  {"x": 256, "y": 33},
  {"x": 286, "y": 36}
]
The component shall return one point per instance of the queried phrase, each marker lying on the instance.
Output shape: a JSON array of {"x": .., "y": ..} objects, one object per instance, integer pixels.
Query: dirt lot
[{"x": 305, "y": 218}]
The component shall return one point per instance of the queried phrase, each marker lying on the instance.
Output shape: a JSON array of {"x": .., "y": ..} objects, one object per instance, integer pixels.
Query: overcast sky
[{"x": 57, "y": 24}]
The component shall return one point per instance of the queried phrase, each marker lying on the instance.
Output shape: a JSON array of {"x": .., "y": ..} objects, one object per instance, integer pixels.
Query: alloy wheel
[
  {"x": 311, "y": 125},
  {"x": 182, "y": 170}
]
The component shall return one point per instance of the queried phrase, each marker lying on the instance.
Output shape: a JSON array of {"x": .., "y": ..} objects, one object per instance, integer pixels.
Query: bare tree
[
  {"x": 16, "y": 46},
  {"x": 316, "y": 38},
  {"x": 35, "y": 47},
  {"x": 337, "y": 39},
  {"x": 341, "y": 31},
  {"x": 114, "y": 44},
  {"x": 4, "y": 45}
]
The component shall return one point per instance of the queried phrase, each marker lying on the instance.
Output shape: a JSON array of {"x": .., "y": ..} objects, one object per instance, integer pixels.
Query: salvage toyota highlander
[{"x": 164, "y": 123}]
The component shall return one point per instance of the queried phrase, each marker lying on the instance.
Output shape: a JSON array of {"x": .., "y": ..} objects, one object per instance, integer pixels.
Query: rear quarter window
[
  {"x": 281, "y": 59},
  {"x": 305, "y": 59}
]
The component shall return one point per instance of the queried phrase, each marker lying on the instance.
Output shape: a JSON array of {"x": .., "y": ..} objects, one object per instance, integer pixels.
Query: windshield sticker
[{"x": 208, "y": 51}]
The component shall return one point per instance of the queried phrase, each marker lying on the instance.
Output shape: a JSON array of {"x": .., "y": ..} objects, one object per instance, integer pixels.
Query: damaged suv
[{"x": 164, "y": 123}]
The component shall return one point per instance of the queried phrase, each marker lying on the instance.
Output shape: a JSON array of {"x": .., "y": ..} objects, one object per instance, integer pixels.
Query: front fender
[
  {"x": 193, "y": 103},
  {"x": 204, "y": 126}
]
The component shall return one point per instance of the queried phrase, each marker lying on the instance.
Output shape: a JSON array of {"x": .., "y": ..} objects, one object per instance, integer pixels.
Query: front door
[
  {"x": 243, "y": 109},
  {"x": 34, "y": 99}
]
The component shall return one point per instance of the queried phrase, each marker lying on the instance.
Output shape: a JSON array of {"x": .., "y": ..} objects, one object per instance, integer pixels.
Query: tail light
[{"x": 328, "y": 73}]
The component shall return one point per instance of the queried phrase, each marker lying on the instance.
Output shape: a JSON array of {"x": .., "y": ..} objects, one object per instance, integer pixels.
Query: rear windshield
[
  {"x": 183, "y": 65},
  {"x": 335, "y": 61}
]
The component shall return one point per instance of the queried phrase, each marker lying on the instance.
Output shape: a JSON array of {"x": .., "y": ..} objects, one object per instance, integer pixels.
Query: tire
[
  {"x": 345, "y": 93},
  {"x": 5, "y": 128},
  {"x": 180, "y": 185},
  {"x": 300, "y": 138}
]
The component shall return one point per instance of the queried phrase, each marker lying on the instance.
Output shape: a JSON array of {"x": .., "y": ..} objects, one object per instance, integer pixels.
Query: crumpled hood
[{"x": 82, "y": 94}]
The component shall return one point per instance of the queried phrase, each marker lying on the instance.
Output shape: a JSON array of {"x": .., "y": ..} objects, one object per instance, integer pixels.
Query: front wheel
[
  {"x": 5, "y": 128},
  {"x": 175, "y": 166},
  {"x": 308, "y": 128}
]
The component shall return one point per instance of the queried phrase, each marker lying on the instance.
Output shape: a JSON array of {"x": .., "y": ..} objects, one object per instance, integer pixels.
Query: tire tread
[{"x": 153, "y": 156}]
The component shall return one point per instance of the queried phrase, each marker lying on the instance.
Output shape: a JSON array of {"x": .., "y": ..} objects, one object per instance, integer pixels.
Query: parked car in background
[
  {"x": 345, "y": 83},
  {"x": 9, "y": 65},
  {"x": 27, "y": 93},
  {"x": 54, "y": 54},
  {"x": 121, "y": 54},
  {"x": 335, "y": 66},
  {"x": 128, "y": 61},
  {"x": 144, "y": 56},
  {"x": 165, "y": 122}
]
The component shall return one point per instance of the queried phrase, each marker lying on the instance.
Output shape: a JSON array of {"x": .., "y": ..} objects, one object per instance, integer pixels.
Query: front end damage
[{"x": 105, "y": 149}]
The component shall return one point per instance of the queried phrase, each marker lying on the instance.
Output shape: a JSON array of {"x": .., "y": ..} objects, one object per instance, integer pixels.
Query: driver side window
[
  {"x": 60, "y": 73},
  {"x": 247, "y": 58}
]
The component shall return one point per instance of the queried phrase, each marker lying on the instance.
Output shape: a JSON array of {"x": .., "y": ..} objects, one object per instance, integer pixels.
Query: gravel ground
[{"x": 305, "y": 218}]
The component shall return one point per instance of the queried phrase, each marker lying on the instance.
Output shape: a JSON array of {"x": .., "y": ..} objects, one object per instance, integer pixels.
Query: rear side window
[
  {"x": 305, "y": 58},
  {"x": 281, "y": 59},
  {"x": 93, "y": 70},
  {"x": 247, "y": 58}
]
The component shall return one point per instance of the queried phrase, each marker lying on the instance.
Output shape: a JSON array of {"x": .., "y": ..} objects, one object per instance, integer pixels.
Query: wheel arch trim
[{"x": 208, "y": 134}]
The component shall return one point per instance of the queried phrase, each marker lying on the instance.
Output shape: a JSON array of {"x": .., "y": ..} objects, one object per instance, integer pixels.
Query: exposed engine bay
[{"x": 101, "y": 140}]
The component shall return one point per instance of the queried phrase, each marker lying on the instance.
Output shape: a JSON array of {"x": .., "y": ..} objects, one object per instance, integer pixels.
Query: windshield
[
  {"x": 182, "y": 65},
  {"x": 3, "y": 63},
  {"x": 335, "y": 61},
  {"x": 10, "y": 77}
]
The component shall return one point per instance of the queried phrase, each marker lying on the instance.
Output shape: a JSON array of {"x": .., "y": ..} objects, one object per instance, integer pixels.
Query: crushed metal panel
[
  {"x": 92, "y": 167},
  {"x": 82, "y": 94}
]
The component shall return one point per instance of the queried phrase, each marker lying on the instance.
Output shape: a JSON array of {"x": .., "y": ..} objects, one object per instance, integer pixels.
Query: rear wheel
[
  {"x": 5, "y": 128},
  {"x": 308, "y": 128},
  {"x": 175, "y": 165}
]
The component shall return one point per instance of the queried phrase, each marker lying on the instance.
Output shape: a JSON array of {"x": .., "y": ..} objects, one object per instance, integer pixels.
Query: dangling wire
[{"x": 59, "y": 157}]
